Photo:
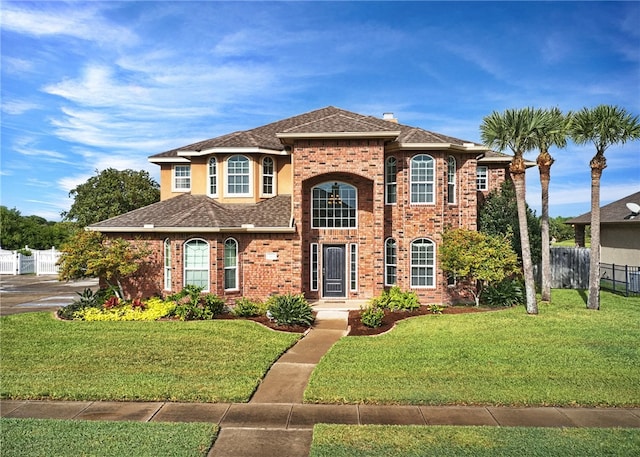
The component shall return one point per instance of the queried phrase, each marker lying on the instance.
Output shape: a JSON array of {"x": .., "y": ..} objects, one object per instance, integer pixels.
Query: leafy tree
[
  {"x": 601, "y": 126},
  {"x": 515, "y": 129},
  {"x": 552, "y": 131},
  {"x": 111, "y": 193},
  {"x": 478, "y": 258},
  {"x": 90, "y": 254},
  {"x": 18, "y": 231},
  {"x": 559, "y": 230}
]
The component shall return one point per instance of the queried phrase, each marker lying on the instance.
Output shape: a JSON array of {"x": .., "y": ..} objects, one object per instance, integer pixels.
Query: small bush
[
  {"x": 213, "y": 303},
  {"x": 395, "y": 299},
  {"x": 508, "y": 292},
  {"x": 88, "y": 299},
  {"x": 435, "y": 308},
  {"x": 245, "y": 307},
  {"x": 192, "y": 305},
  {"x": 290, "y": 309},
  {"x": 372, "y": 316}
]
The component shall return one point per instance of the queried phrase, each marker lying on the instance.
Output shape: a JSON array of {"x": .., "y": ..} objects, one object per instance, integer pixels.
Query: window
[
  {"x": 390, "y": 262},
  {"x": 482, "y": 178},
  {"x": 422, "y": 176},
  {"x": 167, "y": 264},
  {"x": 391, "y": 172},
  {"x": 353, "y": 272},
  {"x": 182, "y": 178},
  {"x": 334, "y": 205},
  {"x": 314, "y": 266},
  {"x": 231, "y": 264},
  {"x": 268, "y": 176},
  {"x": 238, "y": 176},
  {"x": 422, "y": 263},
  {"x": 451, "y": 180},
  {"x": 213, "y": 177},
  {"x": 196, "y": 264}
]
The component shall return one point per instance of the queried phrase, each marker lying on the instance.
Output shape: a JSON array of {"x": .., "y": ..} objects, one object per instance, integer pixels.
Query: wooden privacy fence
[{"x": 39, "y": 262}]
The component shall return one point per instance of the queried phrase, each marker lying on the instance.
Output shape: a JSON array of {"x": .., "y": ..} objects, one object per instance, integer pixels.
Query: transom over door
[{"x": 333, "y": 262}]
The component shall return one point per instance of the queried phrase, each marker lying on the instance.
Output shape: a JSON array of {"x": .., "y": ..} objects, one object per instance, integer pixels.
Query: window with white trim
[
  {"x": 213, "y": 177},
  {"x": 181, "y": 178},
  {"x": 238, "y": 176},
  {"x": 353, "y": 271},
  {"x": 167, "y": 264},
  {"x": 390, "y": 262},
  {"x": 482, "y": 178},
  {"x": 314, "y": 266},
  {"x": 422, "y": 179},
  {"x": 423, "y": 261},
  {"x": 268, "y": 176},
  {"x": 334, "y": 205},
  {"x": 196, "y": 263},
  {"x": 230, "y": 264},
  {"x": 391, "y": 187},
  {"x": 451, "y": 180}
]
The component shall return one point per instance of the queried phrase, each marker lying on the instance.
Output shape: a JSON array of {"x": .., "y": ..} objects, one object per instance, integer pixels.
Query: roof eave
[
  {"x": 316, "y": 135},
  {"x": 153, "y": 229},
  {"x": 468, "y": 147},
  {"x": 174, "y": 159},
  {"x": 232, "y": 150}
]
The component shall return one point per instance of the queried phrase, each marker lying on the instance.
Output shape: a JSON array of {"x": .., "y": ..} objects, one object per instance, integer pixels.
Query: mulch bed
[
  {"x": 357, "y": 328},
  {"x": 264, "y": 320}
]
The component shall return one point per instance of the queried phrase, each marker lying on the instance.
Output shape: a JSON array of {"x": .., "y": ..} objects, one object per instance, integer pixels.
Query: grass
[
  {"x": 209, "y": 361},
  {"x": 413, "y": 441},
  {"x": 63, "y": 438},
  {"x": 567, "y": 355}
]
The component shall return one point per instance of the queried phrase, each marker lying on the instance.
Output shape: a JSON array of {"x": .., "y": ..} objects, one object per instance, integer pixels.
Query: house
[
  {"x": 619, "y": 231},
  {"x": 330, "y": 203}
]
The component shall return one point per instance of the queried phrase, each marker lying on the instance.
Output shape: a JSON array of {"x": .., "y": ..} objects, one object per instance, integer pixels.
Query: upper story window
[
  {"x": 238, "y": 176},
  {"x": 196, "y": 263},
  {"x": 390, "y": 176},
  {"x": 213, "y": 177},
  {"x": 334, "y": 205},
  {"x": 181, "y": 178},
  {"x": 451, "y": 180},
  {"x": 482, "y": 178},
  {"x": 268, "y": 176},
  {"x": 422, "y": 179},
  {"x": 423, "y": 262}
]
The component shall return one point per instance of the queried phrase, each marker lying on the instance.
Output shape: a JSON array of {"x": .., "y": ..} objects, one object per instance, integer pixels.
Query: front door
[{"x": 333, "y": 263}]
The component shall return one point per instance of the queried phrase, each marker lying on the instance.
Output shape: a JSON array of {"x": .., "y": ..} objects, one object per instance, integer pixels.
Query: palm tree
[
  {"x": 515, "y": 129},
  {"x": 552, "y": 132},
  {"x": 602, "y": 126}
]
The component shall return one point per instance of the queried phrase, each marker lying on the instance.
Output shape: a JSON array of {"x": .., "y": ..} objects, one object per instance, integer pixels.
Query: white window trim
[
  {"x": 432, "y": 182},
  {"x": 353, "y": 267},
  {"x": 335, "y": 228},
  {"x": 184, "y": 262},
  {"x": 209, "y": 176},
  {"x": 273, "y": 178},
  {"x": 175, "y": 188},
  {"x": 412, "y": 265},
  {"x": 455, "y": 180},
  {"x": 387, "y": 264},
  {"x": 167, "y": 264},
  {"x": 226, "y": 175},
  {"x": 388, "y": 184},
  {"x": 485, "y": 186},
  {"x": 314, "y": 266},
  {"x": 236, "y": 267}
]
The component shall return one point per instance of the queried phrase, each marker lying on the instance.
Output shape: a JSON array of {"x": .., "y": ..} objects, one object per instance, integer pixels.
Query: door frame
[{"x": 343, "y": 270}]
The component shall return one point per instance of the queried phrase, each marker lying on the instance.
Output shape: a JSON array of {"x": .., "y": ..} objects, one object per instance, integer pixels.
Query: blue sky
[{"x": 92, "y": 85}]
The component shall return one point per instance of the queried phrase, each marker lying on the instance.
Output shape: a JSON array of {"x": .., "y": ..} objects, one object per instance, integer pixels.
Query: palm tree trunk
[
  {"x": 544, "y": 165},
  {"x": 517, "y": 170},
  {"x": 598, "y": 163}
]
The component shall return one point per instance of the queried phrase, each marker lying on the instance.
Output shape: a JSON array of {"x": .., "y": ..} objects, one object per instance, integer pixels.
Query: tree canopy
[
  {"x": 111, "y": 193},
  {"x": 18, "y": 231}
]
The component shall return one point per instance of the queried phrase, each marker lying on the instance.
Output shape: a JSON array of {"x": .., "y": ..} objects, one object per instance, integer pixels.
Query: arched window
[
  {"x": 390, "y": 262},
  {"x": 334, "y": 205},
  {"x": 451, "y": 179},
  {"x": 196, "y": 263},
  {"x": 423, "y": 261},
  {"x": 238, "y": 176},
  {"x": 213, "y": 177},
  {"x": 167, "y": 264},
  {"x": 230, "y": 264},
  {"x": 390, "y": 176},
  {"x": 268, "y": 176},
  {"x": 422, "y": 179}
]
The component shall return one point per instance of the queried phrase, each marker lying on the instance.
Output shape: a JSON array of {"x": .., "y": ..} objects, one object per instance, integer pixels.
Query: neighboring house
[
  {"x": 619, "y": 231},
  {"x": 330, "y": 203}
]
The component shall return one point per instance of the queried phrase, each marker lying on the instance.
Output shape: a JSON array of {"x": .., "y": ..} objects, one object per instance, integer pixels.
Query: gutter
[{"x": 150, "y": 228}]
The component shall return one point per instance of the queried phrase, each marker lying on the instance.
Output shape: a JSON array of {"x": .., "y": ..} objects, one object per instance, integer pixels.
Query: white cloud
[{"x": 17, "y": 107}]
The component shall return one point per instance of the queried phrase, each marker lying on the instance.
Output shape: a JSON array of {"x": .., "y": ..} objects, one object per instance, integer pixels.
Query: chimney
[{"x": 389, "y": 117}]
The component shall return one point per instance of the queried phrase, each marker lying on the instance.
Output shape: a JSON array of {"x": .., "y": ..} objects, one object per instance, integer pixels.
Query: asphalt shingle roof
[{"x": 613, "y": 213}]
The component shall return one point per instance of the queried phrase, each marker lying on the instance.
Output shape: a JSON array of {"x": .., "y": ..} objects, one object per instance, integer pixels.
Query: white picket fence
[{"x": 39, "y": 262}]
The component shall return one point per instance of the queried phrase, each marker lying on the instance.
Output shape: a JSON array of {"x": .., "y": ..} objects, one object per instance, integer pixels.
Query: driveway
[{"x": 27, "y": 293}]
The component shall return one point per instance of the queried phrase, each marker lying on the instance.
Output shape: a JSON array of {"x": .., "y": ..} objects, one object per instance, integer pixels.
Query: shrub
[
  {"x": 290, "y": 309},
  {"x": 396, "y": 300},
  {"x": 372, "y": 316},
  {"x": 135, "y": 310},
  {"x": 88, "y": 299},
  {"x": 245, "y": 307},
  {"x": 508, "y": 292},
  {"x": 435, "y": 308},
  {"x": 192, "y": 305}
]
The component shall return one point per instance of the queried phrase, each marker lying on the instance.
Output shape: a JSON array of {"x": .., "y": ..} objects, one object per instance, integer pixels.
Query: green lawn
[
  {"x": 210, "y": 361},
  {"x": 64, "y": 438},
  {"x": 414, "y": 441},
  {"x": 566, "y": 355}
]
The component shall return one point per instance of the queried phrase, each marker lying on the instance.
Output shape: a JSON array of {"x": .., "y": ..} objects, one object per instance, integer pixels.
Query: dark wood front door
[{"x": 333, "y": 263}]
